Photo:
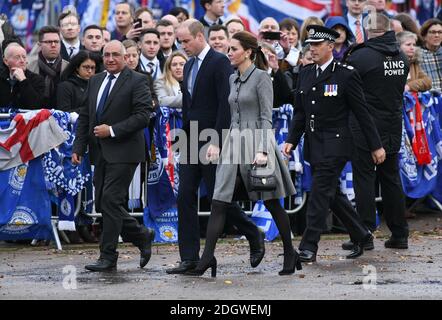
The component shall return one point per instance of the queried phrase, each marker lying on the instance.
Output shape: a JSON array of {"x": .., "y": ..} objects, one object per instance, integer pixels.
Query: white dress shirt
[
  {"x": 76, "y": 47},
  {"x": 100, "y": 93},
  {"x": 325, "y": 65},
  {"x": 156, "y": 72},
  {"x": 199, "y": 60}
]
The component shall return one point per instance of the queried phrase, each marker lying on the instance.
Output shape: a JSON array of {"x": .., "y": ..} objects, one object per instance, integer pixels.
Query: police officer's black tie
[{"x": 318, "y": 72}]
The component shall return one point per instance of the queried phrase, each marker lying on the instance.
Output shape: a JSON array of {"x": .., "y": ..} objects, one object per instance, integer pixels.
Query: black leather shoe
[
  {"x": 257, "y": 249},
  {"x": 201, "y": 269},
  {"x": 368, "y": 245},
  {"x": 307, "y": 256},
  {"x": 396, "y": 243},
  {"x": 183, "y": 267},
  {"x": 102, "y": 265},
  {"x": 358, "y": 248},
  {"x": 357, "y": 251},
  {"x": 146, "y": 252}
]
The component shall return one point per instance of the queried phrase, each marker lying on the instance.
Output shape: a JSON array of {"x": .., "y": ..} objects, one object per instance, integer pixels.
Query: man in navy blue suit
[
  {"x": 354, "y": 17},
  {"x": 205, "y": 90}
]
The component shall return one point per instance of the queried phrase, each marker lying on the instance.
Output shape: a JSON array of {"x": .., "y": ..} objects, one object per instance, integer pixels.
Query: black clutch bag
[{"x": 261, "y": 180}]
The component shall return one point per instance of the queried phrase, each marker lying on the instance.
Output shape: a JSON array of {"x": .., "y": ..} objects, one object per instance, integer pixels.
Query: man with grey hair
[
  {"x": 115, "y": 111},
  {"x": 384, "y": 80},
  {"x": 268, "y": 27},
  {"x": 19, "y": 87},
  {"x": 205, "y": 89}
]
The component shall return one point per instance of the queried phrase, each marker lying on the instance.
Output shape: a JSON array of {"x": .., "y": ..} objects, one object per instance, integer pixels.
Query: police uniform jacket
[{"x": 322, "y": 109}]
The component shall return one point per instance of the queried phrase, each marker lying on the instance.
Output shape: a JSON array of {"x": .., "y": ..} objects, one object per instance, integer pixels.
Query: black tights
[{"x": 217, "y": 220}]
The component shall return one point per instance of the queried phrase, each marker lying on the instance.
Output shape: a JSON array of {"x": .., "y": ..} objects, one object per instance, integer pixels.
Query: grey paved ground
[{"x": 416, "y": 273}]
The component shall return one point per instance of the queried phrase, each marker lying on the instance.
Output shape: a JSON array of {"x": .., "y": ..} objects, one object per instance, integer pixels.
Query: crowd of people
[{"x": 345, "y": 77}]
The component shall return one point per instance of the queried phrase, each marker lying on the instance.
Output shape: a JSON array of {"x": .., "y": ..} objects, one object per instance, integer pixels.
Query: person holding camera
[{"x": 250, "y": 143}]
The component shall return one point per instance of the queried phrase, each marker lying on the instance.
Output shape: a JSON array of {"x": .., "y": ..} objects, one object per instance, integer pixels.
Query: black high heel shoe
[
  {"x": 200, "y": 270},
  {"x": 291, "y": 262}
]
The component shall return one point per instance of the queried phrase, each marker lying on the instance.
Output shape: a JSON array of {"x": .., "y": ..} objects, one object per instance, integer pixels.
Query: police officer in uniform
[{"x": 326, "y": 93}]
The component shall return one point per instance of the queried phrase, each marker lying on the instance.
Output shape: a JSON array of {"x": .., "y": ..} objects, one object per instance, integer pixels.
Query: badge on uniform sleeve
[{"x": 330, "y": 90}]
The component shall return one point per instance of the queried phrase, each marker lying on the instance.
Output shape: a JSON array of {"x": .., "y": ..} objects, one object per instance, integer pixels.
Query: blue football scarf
[
  {"x": 161, "y": 196},
  {"x": 65, "y": 179},
  {"x": 419, "y": 181},
  {"x": 264, "y": 220},
  {"x": 346, "y": 181},
  {"x": 161, "y": 213},
  {"x": 24, "y": 202}
]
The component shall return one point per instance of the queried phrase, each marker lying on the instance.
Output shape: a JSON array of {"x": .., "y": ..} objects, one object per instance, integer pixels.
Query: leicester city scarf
[
  {"x": 161, "y": 213},
  {"x": 419, "y": 181},
  {"x": 64, "y": 179}
]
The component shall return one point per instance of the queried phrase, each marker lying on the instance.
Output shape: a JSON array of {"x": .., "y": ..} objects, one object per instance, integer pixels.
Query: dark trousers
[
  {"x": 326, "y": 194},
  {"x": 188, "y": 221},
  {"x": 393, "y": 201},
  {"x": 112, "y": 182}
]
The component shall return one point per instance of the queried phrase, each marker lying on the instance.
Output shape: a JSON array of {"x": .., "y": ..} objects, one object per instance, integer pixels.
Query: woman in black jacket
[{"x": 75, "y": 79}]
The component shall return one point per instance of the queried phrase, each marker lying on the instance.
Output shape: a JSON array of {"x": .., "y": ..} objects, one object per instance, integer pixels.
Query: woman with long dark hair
[
  {"x": 75, "y": 79},
  {"x": 250, "y": 142}
]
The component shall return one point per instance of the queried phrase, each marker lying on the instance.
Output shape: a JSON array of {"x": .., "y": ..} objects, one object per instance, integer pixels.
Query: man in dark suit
[
  {"x": 69, "y": 24},
  {"x": 326, "y": 93},
  {"x": 354, "y": 18},
  {"x": 167, "y": 40},
  {"x": 205, "y": 106},
  {"x": 115, "y": 112},
  {"x": 214, "y": 11}
]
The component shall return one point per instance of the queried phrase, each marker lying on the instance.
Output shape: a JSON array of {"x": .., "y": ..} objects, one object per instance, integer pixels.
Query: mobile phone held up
[
  {"x": 268, "y": 35},
  {"x": 138, "y": 24}
]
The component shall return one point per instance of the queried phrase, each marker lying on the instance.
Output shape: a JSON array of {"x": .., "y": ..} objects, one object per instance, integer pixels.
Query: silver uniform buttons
[{"x": 313, "y": 102}]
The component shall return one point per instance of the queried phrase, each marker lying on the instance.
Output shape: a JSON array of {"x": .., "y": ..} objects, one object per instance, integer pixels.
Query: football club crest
[
  {"x": 65, "y": 207},
  {"x": 17, "y": 177},
  {"x": 168, "y": 233},
  {"x": 22, "y": 219}
]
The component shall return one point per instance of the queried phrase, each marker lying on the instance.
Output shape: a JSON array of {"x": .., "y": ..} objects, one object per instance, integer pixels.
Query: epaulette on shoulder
[{"x": 345, "y": 66}]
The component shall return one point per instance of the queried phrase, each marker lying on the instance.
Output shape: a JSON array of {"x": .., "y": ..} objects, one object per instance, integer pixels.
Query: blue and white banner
[
  {"x": 165, "y": 225},
  {"x": 64, "y": 179},
  {"x": 420, "y": 181},
  {"x": 161, "y": 213},
  {"x": 263, "y": 220},
  {"x": 24, "y": 202},
  {"x": 163, "y": 171}
]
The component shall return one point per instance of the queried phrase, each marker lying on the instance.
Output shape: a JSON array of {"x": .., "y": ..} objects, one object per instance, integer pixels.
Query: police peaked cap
[{"x": 319, "y": 33}]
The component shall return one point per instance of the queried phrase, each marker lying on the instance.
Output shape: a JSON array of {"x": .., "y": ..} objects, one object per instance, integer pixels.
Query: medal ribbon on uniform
[{"x": 330, "y": 90}]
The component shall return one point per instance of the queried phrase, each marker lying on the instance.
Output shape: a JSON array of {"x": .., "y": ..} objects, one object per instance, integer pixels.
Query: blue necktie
[
  {"x": 104, "y": 97},
  {"x": 194, "y": 74}
]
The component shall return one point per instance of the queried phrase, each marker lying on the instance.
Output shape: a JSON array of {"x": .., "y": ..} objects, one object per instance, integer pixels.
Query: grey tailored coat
[{"x": 251, "y": 103}]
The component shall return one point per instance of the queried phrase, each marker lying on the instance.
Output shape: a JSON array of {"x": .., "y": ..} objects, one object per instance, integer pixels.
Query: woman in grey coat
[{"x": 250, "y": 141}]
